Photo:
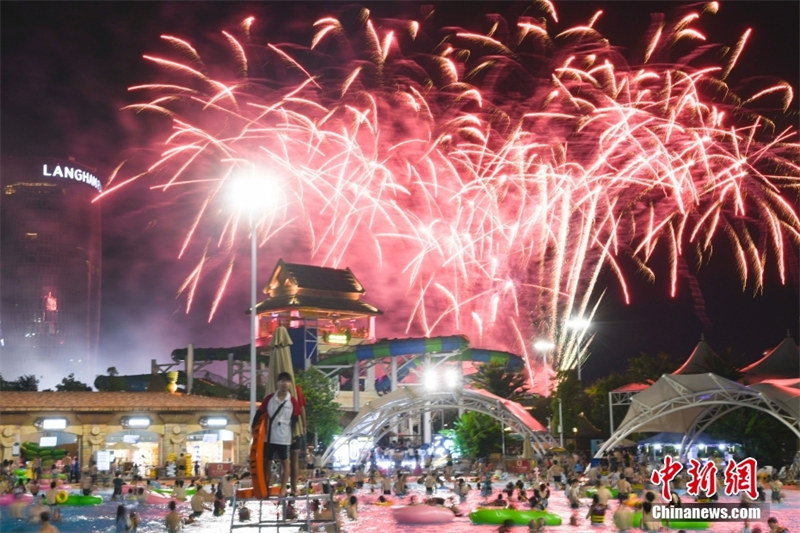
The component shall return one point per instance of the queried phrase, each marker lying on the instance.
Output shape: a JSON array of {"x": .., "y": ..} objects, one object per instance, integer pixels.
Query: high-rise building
[{"x": 50, "y": 268}]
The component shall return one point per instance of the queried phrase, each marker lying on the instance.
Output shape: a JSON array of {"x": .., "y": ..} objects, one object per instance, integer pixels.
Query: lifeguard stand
[{"x": 321, "y": 307}]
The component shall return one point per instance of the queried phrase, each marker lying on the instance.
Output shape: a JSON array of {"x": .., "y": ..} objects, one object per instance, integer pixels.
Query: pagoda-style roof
[{"x": 315, "y": 290}]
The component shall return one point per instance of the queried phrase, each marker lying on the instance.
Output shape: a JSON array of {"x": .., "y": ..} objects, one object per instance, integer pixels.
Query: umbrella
[
  {"x": 280, "y": 360},
  {"x": 527, "y": 449},
  {"x": 557, "y": 449}
]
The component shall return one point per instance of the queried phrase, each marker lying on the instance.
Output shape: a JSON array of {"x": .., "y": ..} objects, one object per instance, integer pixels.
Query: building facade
[
  {"x": 150, "y": 429},
  {"x": 50, "y": 267}
]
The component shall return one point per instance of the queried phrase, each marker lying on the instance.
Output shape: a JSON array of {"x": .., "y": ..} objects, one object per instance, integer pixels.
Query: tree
[
  {"x": 322, "y": 412},
  {"x": 642, "y": 369},
  {"x": 69, "y": 383},
  {"x": 597, "y": 394},
  {"x": 493, "y": 378},
  {"x": 647, "y": 368},
  {"x": 476, "y": 435},
  {"x": 111, "y": 383},
  {"x": 22, "y": 383},
  {"x": 574, "y": 400},
  {"x": 763, "y": 437}
]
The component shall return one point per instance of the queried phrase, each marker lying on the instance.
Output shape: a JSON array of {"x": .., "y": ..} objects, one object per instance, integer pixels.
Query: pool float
[
  {"x": 61, "y": 497},
  {"x": 674, "y": 524},
  {"x": 168, "y": 490},
  {"x": 44, "y": 487},
  {"x": 422, "y": 514},
  {"x": 591, "y": 491},
  {"x": 520, "y": 517},
  {"x": 156, "y": 498},
  {"x": 81, "y": 500},
  {"x": 8, "y": 499},
  {"x": 257, "y": 474}
]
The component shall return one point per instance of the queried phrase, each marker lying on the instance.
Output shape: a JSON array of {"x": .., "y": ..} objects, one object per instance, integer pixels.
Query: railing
[
  {"x": 287, "y": 515},
  {"x": 216, "y": 379}
]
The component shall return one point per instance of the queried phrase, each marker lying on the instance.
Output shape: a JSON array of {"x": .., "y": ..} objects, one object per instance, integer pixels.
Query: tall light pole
[
  {"x": 579, "y": 324},
  {"x": 251, "y": 193},
  {"x": 544, "y": 346},
  {"x": 253, "y": 319}
]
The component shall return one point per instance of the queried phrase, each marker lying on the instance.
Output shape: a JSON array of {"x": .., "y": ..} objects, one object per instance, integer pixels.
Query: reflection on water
[{"x": 372, "y": 518}]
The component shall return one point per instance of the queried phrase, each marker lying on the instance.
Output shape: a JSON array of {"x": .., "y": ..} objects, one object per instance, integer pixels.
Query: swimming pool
[{"x": 372, "y": 518}]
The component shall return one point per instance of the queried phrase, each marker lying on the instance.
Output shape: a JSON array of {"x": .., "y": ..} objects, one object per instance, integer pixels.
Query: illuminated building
[
  {"x": 50, "y": 268},
  {"x": 321, "y": 307}
]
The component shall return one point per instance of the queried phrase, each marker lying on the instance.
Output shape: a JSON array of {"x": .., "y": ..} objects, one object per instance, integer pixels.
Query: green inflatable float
[
  {"x": 672, "y": 524},
  {"x": 520, "y": 517},
  {"x": 81, "y": 500},
  {"x": 591, "y": 491}
]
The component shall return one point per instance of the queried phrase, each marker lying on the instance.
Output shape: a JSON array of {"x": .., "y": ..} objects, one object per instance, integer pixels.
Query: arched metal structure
[
  {"x": 691, "y": 403},
  {"x": 377, "y": 417}
]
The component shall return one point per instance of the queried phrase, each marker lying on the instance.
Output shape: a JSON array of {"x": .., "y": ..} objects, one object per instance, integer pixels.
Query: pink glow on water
[{"x": 378, "y": 519}]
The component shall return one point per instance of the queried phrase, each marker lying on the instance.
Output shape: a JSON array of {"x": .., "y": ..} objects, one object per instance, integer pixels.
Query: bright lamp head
[
  {"x": 50, "y": 424},
  {"x": 135, "y": 422}
]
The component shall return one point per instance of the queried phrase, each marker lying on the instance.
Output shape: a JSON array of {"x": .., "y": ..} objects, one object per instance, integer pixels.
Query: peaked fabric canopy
[
  {"x": 782, "y": 362},
  {"x": 703, "y": 359},
  {"x": 690, "y": 403}
]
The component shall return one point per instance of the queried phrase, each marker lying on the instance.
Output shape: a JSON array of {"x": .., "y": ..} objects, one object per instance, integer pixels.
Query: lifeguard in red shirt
[{"x": 282, "y": 410}]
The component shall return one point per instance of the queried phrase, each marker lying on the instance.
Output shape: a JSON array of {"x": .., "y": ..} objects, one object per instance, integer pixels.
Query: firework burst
[{"x": 497, "y": 174}]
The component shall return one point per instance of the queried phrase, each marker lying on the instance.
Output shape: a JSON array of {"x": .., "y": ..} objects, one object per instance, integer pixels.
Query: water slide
[{"x": 457, "y": 345}]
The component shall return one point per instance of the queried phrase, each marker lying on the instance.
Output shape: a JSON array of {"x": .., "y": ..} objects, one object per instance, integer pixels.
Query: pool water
[{"x": 372, "y": 518}]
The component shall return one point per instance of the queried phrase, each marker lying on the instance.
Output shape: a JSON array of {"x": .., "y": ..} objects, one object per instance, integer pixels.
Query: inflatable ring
[
  {"x": 422, "y": 514},
  {"x": 520, "y": 517},
  {"x": 62, "y": 497}
]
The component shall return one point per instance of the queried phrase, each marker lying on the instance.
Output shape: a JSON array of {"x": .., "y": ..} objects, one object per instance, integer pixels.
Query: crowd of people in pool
[{"x": 364, "y": 484}]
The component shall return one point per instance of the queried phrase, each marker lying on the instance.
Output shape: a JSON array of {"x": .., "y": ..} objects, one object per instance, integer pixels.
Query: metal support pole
[
  {"x": 611, "y": 413},
  {"x": 356, "y": 386},
  {"x": 426, "y": 425},
  {"x": 189, "y": 368},
  {"x": 253, "y": 321},
  {"x": 560, "y": 425}
]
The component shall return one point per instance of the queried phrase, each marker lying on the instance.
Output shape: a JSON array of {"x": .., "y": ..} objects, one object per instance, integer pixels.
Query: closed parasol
[
  {"x": 280, "y": 360},
  {"x": 527, "y": 449}
]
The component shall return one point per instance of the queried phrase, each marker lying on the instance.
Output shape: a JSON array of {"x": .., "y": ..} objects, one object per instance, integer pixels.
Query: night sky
[{"x": 66, "y": 67}]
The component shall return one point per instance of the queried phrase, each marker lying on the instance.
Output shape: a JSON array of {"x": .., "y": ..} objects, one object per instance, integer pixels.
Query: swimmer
[
  {"x": 47, "y": 527},
  {"x": 173, "y": 519},
  {"x": 352, "y": 508},
  {"x": 506, "y": 527}
]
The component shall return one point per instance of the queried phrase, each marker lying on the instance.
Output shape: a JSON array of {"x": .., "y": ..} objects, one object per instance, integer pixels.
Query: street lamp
[
  {"x": 251, "y": 192},
  {"x": 253, "y": 319},
  {"x": 580, "y": 325}
]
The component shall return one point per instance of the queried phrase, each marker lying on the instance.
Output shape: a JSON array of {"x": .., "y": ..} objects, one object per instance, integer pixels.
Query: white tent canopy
[
  {"x": 376, "y": 418},
  {"x": 782, "y": 362},
  {"x": 690, "y": 403}
]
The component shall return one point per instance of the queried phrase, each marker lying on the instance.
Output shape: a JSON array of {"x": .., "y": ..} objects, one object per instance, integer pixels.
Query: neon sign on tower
[
  {"x": 50, "y": 273},
  {"x": 72, "y": 173}
]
